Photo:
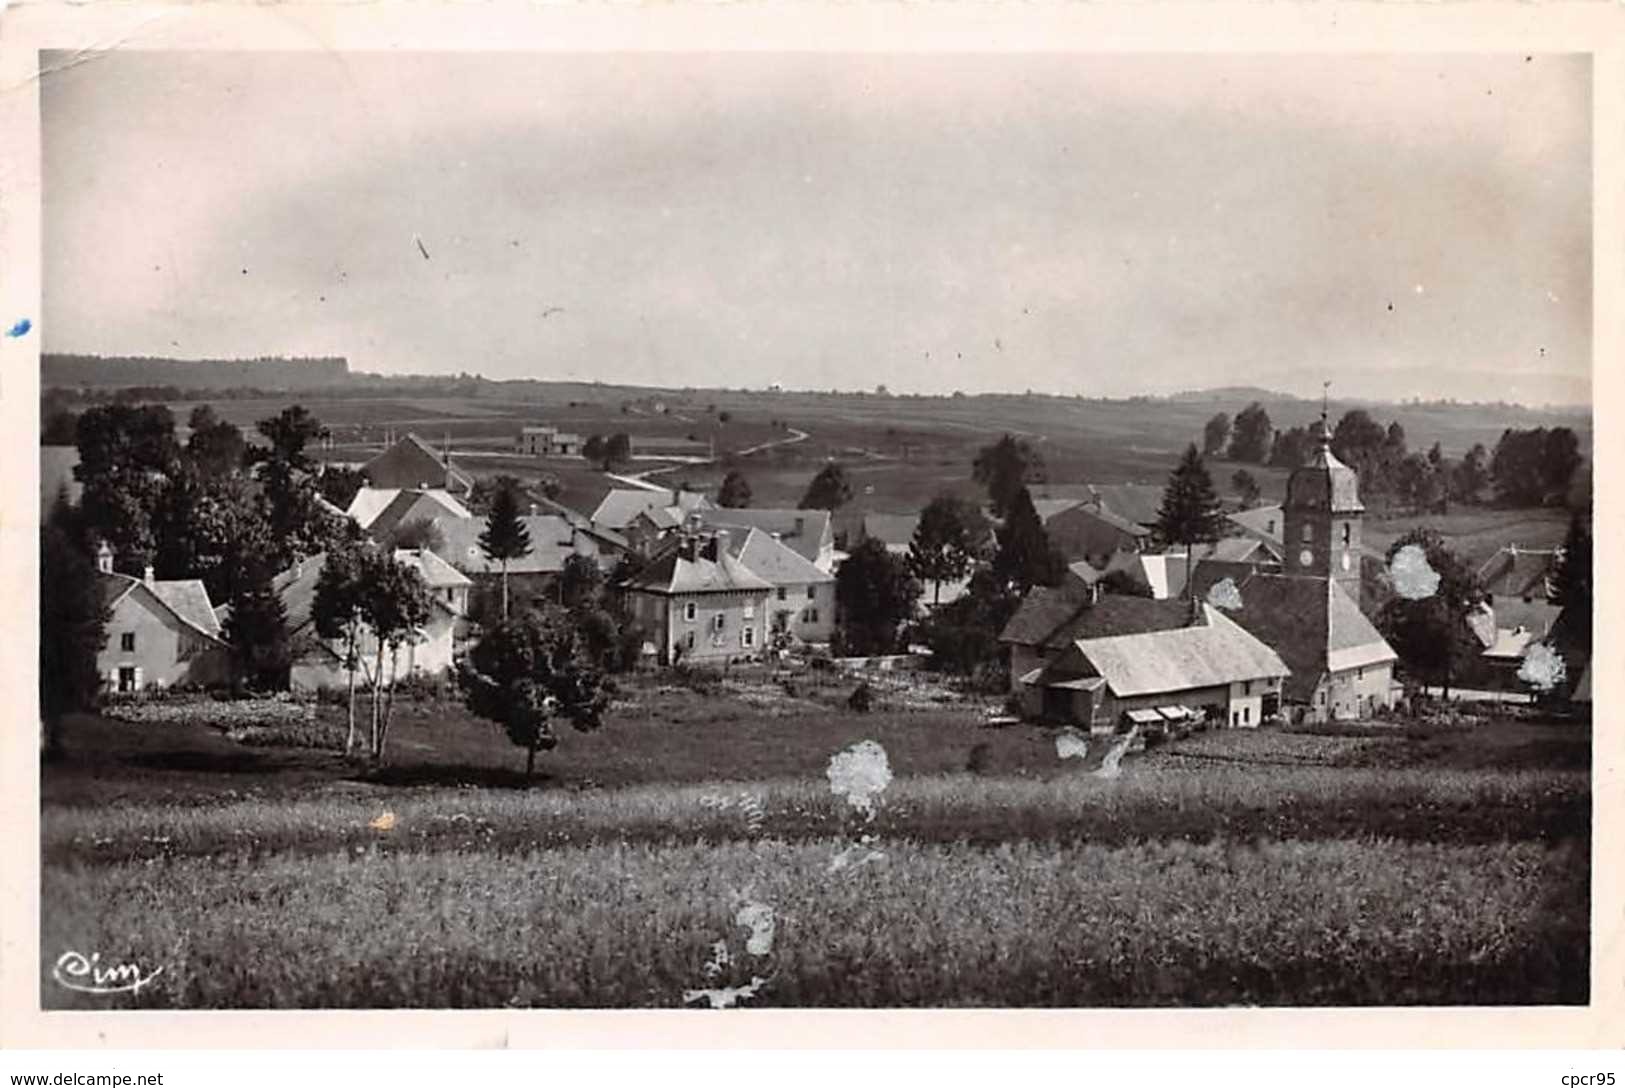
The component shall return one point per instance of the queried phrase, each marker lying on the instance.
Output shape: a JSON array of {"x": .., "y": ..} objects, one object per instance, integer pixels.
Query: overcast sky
[{"x": 1095, "y": 224}]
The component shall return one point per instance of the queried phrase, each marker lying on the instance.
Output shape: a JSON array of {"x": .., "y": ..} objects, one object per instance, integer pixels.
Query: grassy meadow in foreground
[{"x": 1357, "y": 866}]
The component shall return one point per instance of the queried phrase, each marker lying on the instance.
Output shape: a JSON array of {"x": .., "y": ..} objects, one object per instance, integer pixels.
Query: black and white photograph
[{"x": 729, "y": 530}]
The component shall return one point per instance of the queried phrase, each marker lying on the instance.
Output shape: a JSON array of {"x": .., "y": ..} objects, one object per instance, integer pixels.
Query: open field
[
  {"x": 903, "y": 444},
  {"x": 1367, "y": 865}
]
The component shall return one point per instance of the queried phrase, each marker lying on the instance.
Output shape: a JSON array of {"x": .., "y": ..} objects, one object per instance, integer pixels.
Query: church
[
  {"x": 1307, "y": 610},
  {"x": 1258, "y": 641}
]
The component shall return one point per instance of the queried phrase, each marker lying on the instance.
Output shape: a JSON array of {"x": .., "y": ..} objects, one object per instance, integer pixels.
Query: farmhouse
[
  {"x": 319, "y": 663},
  {"x": 410, "y": 463},
  {"x": 699, "y": 603},
  {"x": 1163, "y": 574},
  {"x": 545, "y": 441},
  {"x": 1051, "y": 619},
  {"x": 159, "y": 632},
  {"x": 1089, "y": 531},
  {"x": 553, "y": 540},
  {"x": 803, "y": 601},
  {"x": 1518, "y": 587},
  {"x": 1211, "y": 668}
]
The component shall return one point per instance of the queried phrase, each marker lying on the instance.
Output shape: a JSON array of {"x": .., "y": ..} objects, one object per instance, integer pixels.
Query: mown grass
[{"x": 1022, "y": 924}]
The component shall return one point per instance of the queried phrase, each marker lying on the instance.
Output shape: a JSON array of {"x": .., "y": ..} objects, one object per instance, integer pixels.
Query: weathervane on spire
[{"x": 1325, "y": 392}]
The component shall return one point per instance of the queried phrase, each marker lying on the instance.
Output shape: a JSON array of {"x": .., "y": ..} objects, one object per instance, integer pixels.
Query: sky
[{"x": 1403, "y": 225}]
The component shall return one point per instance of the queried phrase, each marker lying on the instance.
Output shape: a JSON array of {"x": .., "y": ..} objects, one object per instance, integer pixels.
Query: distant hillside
[
  {"x": 263, "y": 373},
  {"x": 1231, "y": 392}
]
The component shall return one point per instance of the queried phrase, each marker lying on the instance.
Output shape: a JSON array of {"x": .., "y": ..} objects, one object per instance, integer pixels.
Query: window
[
  {"x": 1246, "y": 715},
  {"x": 690, "y": 610},
  {"x": 1269, "y": 526},
  {"x": 783, "y": 593},
  {"x": 448, "y": 593},
  {"x": 811, "y": 615},
  {"x": 126, "y": 642},
  {"x": 688, "y": 640},
  {"x": 718, "y": 621},
  {"x": 1247, "y": 687},
  {"x": 811, "y": 594},
  {"x": 748, "y": 635},
  {"x": 750, "y": 610},
  {"x": 1359, "y": 674},
  {"x": 1348, "y": 532},
  {"x": 126, "y": 678},
  {"x": 1308, "y": 533}
]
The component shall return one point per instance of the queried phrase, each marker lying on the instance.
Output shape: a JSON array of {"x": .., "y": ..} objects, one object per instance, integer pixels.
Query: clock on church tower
[{"x": 1322, "y": 515}]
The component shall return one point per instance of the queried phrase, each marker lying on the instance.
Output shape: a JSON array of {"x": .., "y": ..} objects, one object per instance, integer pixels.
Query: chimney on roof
[
  {"x": 104, "y": 558},
  {"x": 445, "y": 456},
  {"x": 146, "y": 575},
  {"x": 714, "y": 545}
]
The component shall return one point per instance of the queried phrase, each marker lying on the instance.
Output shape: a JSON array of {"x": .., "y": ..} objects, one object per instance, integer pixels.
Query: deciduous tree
[
  {"x": 829, "y": 490},
  {"x": 735, "y": 491},
  {"x": 1429, "y": 632},
  {"x": 1250, "y": 437},
  {"x": 72, "y": 626},
  {"x": 874, "y": 594},
  {"x": 528, "y": 672},
  {"x": 1216, "y": 435},
  {"x": 950, "y": 537}
]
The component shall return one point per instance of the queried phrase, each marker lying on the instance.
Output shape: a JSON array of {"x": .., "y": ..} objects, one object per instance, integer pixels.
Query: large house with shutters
[
  {"x": 802, "y": 604},
  {"x": 700, "y": 603},
  {"x": 160, "y": 632}
]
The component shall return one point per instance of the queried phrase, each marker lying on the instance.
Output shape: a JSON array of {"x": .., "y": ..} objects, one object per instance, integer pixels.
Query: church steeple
[{"x": 1323, "y": 514}]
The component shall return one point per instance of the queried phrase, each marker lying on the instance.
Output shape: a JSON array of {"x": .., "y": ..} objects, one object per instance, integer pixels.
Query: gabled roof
[
  {"x": 621, "y": 507},
  {"x": 186, "y": 599},
  {"x": 551, "y": 543},
  {"x": 1519, "y": 572},
  {"x": 1263, "y": 522},
  {"x": 1312, "y": 623},
  {"x": 410, "y": 462},
  {"x": 1048, "y": 508},
  {"x": 1140, "y": 504},
  {"x": 805, "y": 532},
  {"x": 435, "y": 571},
  {"x": 1051, "y": 617},
  {"x": 1208, "y": 654},
  {"x": 776, "y": 561},
  {"x": 682, "y": 568},
  {"x": 581, "y": 522},
  {"x": 369, "y": 502},
  {"x": 409, "y": 505}
]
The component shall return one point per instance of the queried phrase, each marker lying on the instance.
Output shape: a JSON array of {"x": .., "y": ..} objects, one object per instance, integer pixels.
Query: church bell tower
[{"x": 1322, "y": 516}]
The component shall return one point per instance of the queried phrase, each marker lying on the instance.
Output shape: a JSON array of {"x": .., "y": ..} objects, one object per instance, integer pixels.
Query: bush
[{"x": 862, "y": 699}]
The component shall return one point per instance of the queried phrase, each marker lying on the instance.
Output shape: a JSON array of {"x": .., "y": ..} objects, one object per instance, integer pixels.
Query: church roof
[
  {"x": 1325, "y": 483},
  {"x": 1312, "y": 623}
]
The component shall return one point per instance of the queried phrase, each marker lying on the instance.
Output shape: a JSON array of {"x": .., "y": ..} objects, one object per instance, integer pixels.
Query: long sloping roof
[
  {"x": 776, "y": 561},
  {"x": 369, "y": 502},
  {"x": 1208, "y": 654},
  {"x": 550, "y": 545},
  {"x": 1312, "y": 623},
  {"x": 806, "y": 541},
  {"x": 186, "y": 599},
  {"x": 435, "y": 571},
  {"x": 411, "y": 463},
  {"x": 411, "y": 505},
  {"x": 1052, "y": 617},
  {"x": 1137, "y": 503},
  {"x": 680, "y": 569},
  {"x": 1519, "y": 572},
  {"x": 621, "y": 506},
  {"x": 1264, "y": 522}
]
